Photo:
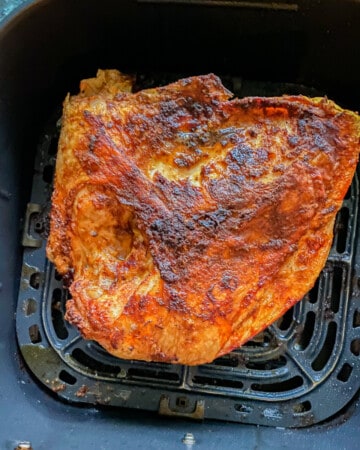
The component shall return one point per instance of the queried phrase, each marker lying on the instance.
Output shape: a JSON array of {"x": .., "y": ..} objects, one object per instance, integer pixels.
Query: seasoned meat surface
[{"x": 184, "y": 221}]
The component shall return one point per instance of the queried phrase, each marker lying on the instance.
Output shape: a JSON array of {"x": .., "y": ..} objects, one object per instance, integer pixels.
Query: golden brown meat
[{"x": 186, "y": 222}]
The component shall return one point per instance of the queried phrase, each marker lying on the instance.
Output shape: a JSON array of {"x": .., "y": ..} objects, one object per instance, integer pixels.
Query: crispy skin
[{"x": 185, "y": 222}]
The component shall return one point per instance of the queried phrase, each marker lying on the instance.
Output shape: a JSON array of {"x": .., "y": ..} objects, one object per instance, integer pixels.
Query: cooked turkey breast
[{"x": 184, "y": 221}]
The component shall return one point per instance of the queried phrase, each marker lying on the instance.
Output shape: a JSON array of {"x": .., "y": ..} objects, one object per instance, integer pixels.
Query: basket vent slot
[
  {"x": 226, "y": 361},
  {"x": 48, "y": 174},
  {"x": 261, "y": 340},
  {"x": 67, "y": 378},
  {"x": 355, "y": 347},
  {"x": 270, "y": 364},
  {"x": 57, "y": 314},
  {"x": 327, "y": 349},
  {"x": 356, "y": 319},
  {"x": 342, "y": 229},
  {"x": 344, "y": 373},
  {"x": 34, "y": 334},
  {"x": 286, "y": 320},
  {"x": 337, "y": 286},
  {"x": 57, "y": 276},
  {"x": 210, "y": 381},
  {"x": 302, "y": 408},
  {"x": 282, "y": 386},
  {"x": 35, "y": 280},
  {"x": 94, "y": 365},
  {"x": 305, "y": 337},
  {"x": 314, "y": 292},
  {"x": 135, "y": 373}
]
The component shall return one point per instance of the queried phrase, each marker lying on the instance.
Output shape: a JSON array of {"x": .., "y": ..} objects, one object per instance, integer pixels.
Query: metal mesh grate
[{"x": 300, "y": 371}]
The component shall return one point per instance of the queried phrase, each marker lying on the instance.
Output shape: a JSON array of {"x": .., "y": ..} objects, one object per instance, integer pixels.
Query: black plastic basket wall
[{"x": 300, "y": 371}]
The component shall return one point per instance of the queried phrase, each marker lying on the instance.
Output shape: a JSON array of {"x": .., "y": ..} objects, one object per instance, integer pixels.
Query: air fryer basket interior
[{"x": 45, "y": 48}]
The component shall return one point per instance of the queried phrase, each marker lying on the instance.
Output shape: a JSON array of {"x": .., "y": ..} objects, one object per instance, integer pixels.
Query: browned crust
[{"x": 221, "y": 211}]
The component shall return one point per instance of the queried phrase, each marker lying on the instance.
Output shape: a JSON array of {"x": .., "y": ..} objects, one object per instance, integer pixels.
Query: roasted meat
[{"x": 184, "y": 221}]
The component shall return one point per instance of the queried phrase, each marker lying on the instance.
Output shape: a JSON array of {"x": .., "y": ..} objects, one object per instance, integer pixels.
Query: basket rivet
[
  {"x": 25, "y": 445},
  {"x": 188, "y": 439}
]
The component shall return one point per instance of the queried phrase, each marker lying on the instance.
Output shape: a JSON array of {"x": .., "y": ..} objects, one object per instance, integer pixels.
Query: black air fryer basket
[{"x": 296, "y": 384}]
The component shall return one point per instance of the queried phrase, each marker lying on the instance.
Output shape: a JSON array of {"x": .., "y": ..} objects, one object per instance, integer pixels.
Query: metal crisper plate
[{"x": 300, "y": 371}]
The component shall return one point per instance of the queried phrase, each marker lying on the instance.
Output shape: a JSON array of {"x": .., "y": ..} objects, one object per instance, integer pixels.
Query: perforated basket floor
[{"x": 300, "y": 371}]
